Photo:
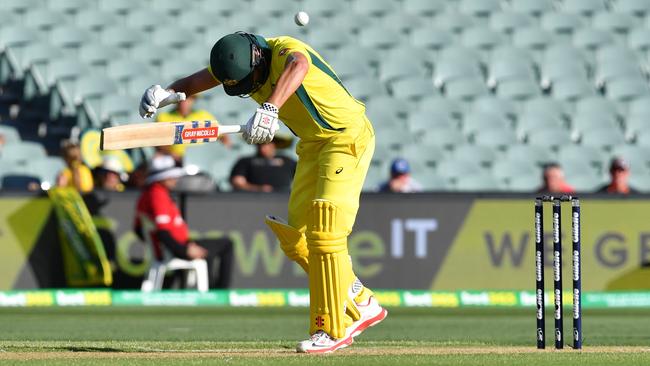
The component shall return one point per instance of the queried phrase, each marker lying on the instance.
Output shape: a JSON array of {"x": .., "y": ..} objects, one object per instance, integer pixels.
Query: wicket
[{"x": 557, "y": 270}]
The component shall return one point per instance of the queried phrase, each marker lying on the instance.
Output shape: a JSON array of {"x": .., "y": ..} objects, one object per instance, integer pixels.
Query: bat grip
[{"x": 227, "y": 129}]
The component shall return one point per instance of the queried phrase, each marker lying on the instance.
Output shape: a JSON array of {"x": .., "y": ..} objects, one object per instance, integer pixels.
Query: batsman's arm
[
  {"x": 199, "y": 81},
  {"x": 295, "y": 69}
]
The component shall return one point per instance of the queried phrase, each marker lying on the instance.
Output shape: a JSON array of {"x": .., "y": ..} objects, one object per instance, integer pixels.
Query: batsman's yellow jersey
[{"x": 321, "y": 107}]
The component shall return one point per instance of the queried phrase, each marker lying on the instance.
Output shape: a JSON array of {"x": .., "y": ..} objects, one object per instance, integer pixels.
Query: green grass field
[{"x": 248, "y": 336}]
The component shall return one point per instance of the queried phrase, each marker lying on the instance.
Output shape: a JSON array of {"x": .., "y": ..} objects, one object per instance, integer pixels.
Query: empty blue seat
[
  {"x": 584, "y": 7},
  {"x": 422, "y": 121},
  {"x": 639, "y": 8},
  {"x": 550, "y": 138},
  {"x": 532, "y": 38},
  {"x": 448, "y": 69},
  {"x": 615, "y": 22},
  {"x": 531, "y": 123},
  {"x": 496, "y": 106},
  {"x": 452, "y": 169},
  {"x": 592, "y": 39},
  {"x": 453, "y": 21},
  {"x": 506, "y": 68},
  {"x": 46, "y": 169},
  {"x": 430, "y": 37},
  {"x": 44, "y": 19},
  {"x": 326, "y": 9},
  {"x": 479, "y": 8},
  {"x": 479, "y": 121},
  {"x": 68, "y": 6},
  {"x": 603, "y": 138},
  {"x": 484, "y": 155},
  {"x": 481, "y": 182},
  {"x": 507, "y": 22},
  {"x": 572, "y": 89},
  {"x": 465, "y": 89},
  {"x": 395, "y": 68},
  {"x": 22, "y": 152},
  {"x": 533, "y": 7},
  {"x": 438, "y": 104},
  {"x": 562, "y": 23},
  {"x": 412, "y": 88},
  {"x": 148, "y": 20},
  {"x": 70, "y": 36},
  {"x": 546, "y": 107},
  {"x": 10, "y": 135},
  {"x": 625, "y": 89},
  {"x": 518, "y": 89},
  {"x": 598, "y": 106},
  {"x": 378, "y": 37},
  {"x": 374, "y": 7},
  {"x": 495, "y": 138},
  {"x": 426, "y": 8},
  {"x": 481, "y": 37},
  {"x": 446, "y": 138},
  {"x": 95, "y": 20},
  {"x": 365, "y": 88},
  {"x": 121, "y": 36},
  {"x": 534, "y": 154},
  {"x": 118, "y": 6}
]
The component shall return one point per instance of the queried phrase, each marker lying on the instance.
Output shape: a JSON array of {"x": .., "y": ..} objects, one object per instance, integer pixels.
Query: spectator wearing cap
[
  {"x": 171, "y": 232},
  {"x": 554, "y": 181},
  {"x": 111, "y": 175},
  {"x": 400, "y": 180},
  {"x": 185, "y": 112},
  {"x": 619, "y": 172},
  {"x": 265, "y": 171},
  {"x": 76, "y": 174}
]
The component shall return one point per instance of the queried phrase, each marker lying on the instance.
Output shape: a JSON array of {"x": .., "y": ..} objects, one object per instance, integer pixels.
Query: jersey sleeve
[{"x": 285, "y": 47}]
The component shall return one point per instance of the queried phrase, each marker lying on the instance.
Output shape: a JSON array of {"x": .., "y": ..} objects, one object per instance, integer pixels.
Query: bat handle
[{"x": 228, "y": 129}]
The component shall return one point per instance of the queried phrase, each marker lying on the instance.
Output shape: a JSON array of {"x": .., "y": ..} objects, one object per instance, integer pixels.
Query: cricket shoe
[
  {"x": 321, "y": 342},
  {"x": 371, "y": 314}
]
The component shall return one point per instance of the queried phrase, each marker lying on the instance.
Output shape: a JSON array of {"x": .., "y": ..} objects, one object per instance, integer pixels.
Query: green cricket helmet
[{"x": 241, "y": 62}]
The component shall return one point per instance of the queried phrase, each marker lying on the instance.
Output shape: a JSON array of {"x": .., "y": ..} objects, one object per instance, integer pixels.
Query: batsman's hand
[
  {"x": 156, "y": 97},
  {"x": 261, "y": 128}
]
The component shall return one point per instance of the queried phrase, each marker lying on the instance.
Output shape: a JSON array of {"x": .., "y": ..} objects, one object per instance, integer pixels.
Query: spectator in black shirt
[
  {"x": 619, "y": 172},
  {"x": 266, "y": 171}
]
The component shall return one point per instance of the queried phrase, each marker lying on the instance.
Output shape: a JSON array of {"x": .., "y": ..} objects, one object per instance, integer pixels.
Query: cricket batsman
[{"x": 291, "y": 82}]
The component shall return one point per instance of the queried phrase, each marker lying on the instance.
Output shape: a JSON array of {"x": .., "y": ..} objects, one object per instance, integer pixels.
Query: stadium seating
[{"x": 471, "y": 80}]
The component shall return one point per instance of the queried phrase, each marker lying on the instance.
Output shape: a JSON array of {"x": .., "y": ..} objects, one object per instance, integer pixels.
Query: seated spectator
[
  {"x": 619, "y": 172},
  {"x": 110, "y": 175},
  {"x": 3, "y": 142},
  {"x": 554, "y": 181},
  {"x": 266, "y": 171},
  {"x": 184, "y": 112},
  {"x": 400, "y": 180},
  {"x": 76, "y": 174},
  {"x": 171, "y": 232}
]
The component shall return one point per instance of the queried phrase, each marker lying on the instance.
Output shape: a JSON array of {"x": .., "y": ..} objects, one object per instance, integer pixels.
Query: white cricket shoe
[
  {"x": 371, "y": 314},
  {"x": 321, "y": 342}
]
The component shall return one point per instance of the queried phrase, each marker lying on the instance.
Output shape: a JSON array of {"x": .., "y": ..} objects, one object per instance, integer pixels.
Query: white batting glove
[
  {"x": 261, "y": 128},
  {"x": 156, "y": 97}
]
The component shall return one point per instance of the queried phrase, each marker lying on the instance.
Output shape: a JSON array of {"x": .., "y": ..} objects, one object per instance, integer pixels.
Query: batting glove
[
  {"x": 261, "y": 128},
  {"x": 156, "y": 97}
]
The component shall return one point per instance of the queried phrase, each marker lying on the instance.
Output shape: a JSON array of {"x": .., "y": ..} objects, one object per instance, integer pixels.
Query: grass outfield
[{"x": 248, "y": 336}]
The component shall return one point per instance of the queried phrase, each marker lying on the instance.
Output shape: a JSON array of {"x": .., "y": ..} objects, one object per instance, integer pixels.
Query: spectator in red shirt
[
  {"x": 171, "y": 232},
  {"x": 554, "y": 181}
]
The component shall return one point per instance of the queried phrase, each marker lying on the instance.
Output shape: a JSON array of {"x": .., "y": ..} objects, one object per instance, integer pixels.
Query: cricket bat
[{"x": 163, "y": 134}]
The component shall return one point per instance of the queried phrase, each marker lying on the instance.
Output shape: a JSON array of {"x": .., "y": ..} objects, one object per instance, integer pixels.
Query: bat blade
[{"x": 163, "y": 134}]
